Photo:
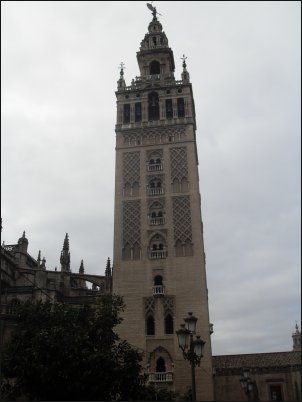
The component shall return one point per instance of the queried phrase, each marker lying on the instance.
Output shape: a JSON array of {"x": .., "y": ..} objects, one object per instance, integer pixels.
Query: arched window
[
  {"x": 155, "y": 187},
  {"x": 169, "y": 324},
  {"x": 136, "y": 251},
  {"x": 184, "y": 185},
  {"x": 127, "y": 252},
  {"x": 154, "y": 67},
  {"x": 154, "y": 161},
  {"x": 169, "y": 109},
  {"x": 138, "y": 111},
  {"x": 157, "y": 247},
  {"x": 150, "y": 325},
  {"x": 160, "y": 365},
  {"x": 127, "y": 113},
  {"x": 178, "y": 249},
  {"x": 127, "y": 190},
  {"x": 176, "y": 186},
  {"x": 156, "y": 214},
  {"x": 158, "y": 280},
  {"x": 153, "y": 106},
  {"x": 135, "y": 189},
  {"x": 188, "y": 248},
  {"x": 180, "y": 107}
]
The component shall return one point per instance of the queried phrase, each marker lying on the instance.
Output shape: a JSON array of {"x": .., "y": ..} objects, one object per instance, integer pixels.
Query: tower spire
[
  {"x": 108, "y": 275},
  {"x": 39, "y": 258},
  {"x": 65, "y": 255},
  {"x": 185, "y": 76},
  {"x": 108, "y": 268},
  {"x": 81, "y": 269},
  {"x": 296, "y": 339},
  {"x": 43, "y": 266},
  {"x": 121, "y": 84}
]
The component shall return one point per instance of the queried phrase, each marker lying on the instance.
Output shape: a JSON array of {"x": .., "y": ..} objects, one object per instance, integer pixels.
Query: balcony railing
[
  {"x": 156, "y": 191},
  {"x": 158, "y": 255},
  {"x": 161, "y": 377},
  {"x": 154, "y": 167},
  {"x": 10, "y": 247},
  {"x": 158, "y": 290},
  {"x": 157, "y": 221},
  {"x": 153, "y": 77}
]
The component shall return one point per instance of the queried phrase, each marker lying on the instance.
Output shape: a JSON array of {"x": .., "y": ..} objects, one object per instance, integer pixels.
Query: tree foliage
[{"x": 59, "y": 352}]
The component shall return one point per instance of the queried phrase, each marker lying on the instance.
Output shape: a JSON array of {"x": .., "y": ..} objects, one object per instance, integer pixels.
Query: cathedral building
[
  {"x": 159, "y": 259},
  {"x": 24, "y": 277}
]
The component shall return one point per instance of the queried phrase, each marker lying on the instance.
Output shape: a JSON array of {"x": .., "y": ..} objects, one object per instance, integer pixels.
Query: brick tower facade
[{"x": 159, "y": 260}]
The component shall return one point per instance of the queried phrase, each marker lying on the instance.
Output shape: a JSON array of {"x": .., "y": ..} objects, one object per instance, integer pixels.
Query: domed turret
[{"x": 23, "y": 243}]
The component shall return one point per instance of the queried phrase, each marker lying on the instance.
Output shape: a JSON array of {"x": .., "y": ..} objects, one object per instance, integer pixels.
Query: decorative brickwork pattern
[
  {"x": 182, "y": 219},
  {"x": 131, "y": 167},
  {"x": 149, "y": 305},
  {"x": 158, "y": 135},
  {"x": 158, "y": 152},
  {"x": 131, "y": 223},
  {"x": 168, "y": 305},
  {"x": 156, "y": 201},
  {"x": 179, "y": 165}
]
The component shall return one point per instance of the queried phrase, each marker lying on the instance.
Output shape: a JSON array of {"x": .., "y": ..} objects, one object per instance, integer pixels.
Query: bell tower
[{"x": 159, "y": 260}]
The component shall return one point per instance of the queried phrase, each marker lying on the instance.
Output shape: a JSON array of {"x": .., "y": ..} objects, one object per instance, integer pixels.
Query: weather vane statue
[
  {"x": 121, "y": 67},
  {"x": 184, "y": 58},
  {"x": 153, "y": 9}
]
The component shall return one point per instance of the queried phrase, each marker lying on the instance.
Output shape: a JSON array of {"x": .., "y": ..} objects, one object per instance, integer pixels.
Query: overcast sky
[{"x": 59, "y": 74}]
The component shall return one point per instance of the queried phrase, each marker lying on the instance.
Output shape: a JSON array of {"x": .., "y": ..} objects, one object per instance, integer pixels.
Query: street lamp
[
  {"x": 249, "y": 386},
  {"x": 191, "y": 348}
]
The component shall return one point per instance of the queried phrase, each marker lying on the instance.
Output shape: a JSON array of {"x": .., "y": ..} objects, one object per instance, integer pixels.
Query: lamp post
[
  {"x": 191, "y": 348},
  {"x": 249, "y": 386}
]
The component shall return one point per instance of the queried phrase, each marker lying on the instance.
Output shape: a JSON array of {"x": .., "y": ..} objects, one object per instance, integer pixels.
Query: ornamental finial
[
  {"x": 184, "y": 58},
  {"x": 297, "y": 328},
  {"x": 121, "y": 67},
  {"x": 81, "y": 269}
]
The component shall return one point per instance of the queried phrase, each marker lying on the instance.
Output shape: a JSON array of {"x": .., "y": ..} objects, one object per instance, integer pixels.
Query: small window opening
[
  {"x": 160, "y": 365},
  {"x": 150, "y": 325},
  {"x": 127, "y": 113},
  {"x": 138, "y": 112},
  {"x": 169, "y": 109},
  {"x": 158, "y": 280},
  {"x": 154, "y": 67},
  {"x": 180, "y": 107},
  {"x": 153, "y": 106},
  {"x": 169, "y": 324}
]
